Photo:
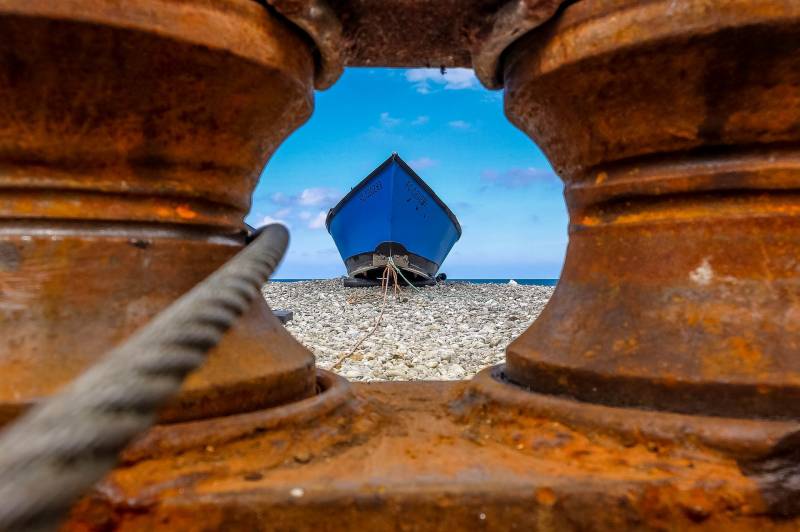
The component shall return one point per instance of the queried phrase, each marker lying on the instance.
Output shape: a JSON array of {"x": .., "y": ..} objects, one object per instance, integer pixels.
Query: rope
[
  {"x": 60, "y": 448},
  {"x": 391, "y": 263},
  {"x": 394, "y": 270},
  {"x": 385, "y": 287},
  {"x": 427, "y": 294}
]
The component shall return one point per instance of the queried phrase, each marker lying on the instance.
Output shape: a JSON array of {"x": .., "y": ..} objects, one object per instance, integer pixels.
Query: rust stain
[
  {"x": 545, "y": 497},
  {"x": 368, "y": 475},
  {"x": 123, "y": 135},
  {"x": 185, "y": 212},
  {"x": 681, "y": 262},
  {"x": 658, "y": 367}
]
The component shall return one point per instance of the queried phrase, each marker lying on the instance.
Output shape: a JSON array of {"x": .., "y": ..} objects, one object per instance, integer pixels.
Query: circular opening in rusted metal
[{"x": 537, "y": 180}]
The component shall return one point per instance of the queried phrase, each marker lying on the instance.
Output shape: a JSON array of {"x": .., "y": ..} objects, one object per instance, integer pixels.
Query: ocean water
[{"x": 539, "y": 282}]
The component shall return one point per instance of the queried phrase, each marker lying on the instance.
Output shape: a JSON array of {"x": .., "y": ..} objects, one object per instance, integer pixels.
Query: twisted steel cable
[
  {"x": 778, "y": 476},
  {"x": 60, "y": 448}
]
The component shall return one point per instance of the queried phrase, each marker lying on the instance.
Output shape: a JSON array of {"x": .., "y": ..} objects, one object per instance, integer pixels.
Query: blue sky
[{"x": 454, "y": 134}]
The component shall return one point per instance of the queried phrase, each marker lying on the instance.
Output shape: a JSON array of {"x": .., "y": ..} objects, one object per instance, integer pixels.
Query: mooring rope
[
  {"x": 60, "y": 448},
  {"x": 391, "y": 267},
  {"x": 394, "y": 270},
  {"x": 397, "y": 270},
  {"x": 385, "y": 287}
]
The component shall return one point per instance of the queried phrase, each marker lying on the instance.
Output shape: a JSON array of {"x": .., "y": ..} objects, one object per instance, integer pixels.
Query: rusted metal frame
[
  {"x": 423, "y": 456},
  {"x": 125, "y": 171},
  {"x": 59, "y": 449},
  {"x": 320, "y": 23},
  {"x": 483, "y": 30},
  {"x": 694, "y": 209},
  {"x": 510, "y": 22},
  {"x": 487, "y": 453},
  {"x": 674, "y": 205}
]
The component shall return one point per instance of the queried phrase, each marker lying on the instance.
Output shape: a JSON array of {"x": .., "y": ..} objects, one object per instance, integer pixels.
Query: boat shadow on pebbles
[{"x": 445, "y": 332}]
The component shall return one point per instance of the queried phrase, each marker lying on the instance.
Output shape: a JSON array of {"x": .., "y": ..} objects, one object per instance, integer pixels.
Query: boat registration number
[
  {"x": 416, "y": 193},
  {"x": 371, "y": 190}
]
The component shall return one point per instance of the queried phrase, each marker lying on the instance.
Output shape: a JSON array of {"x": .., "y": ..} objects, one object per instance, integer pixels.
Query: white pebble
[{"x": 449, "y": 331}]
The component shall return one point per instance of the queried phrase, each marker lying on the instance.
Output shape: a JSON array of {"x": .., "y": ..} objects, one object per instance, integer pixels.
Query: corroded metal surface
[
  {"x": 742, "y": 439},
  {"x": 656, "y": 391},
  {"x": 131, "y": 137},
  {"x": 413, "y": 33},
  {"x": 418, "y": 456},
  {"x": 674, "y": 127},
  {"x": 322, "y": 25},
  {"x": 508, "y": 23}
]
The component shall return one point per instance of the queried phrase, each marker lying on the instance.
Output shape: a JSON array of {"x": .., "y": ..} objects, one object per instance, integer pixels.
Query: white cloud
[
  {"x": 309, "y": 197},
  {"x": 388, "y": 121},
  {"x": 420, "y": 120},
  {"x": 318, "y": 222},
  {"x": 280, "y": 198},
  {"x": 271, "y": 220},
  {"x": 422, "y": 163},
  {"x": 453, "y": 79},
  {"x": 314, "y": 197},
  {"x": 313, "y": 218},
  {"x": 493, "y": 96},
  {"x": 459, "y": 124},
  {"x": 518, "y": 177}
]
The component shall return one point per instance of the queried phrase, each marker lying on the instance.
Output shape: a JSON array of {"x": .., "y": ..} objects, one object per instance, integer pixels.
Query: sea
[{"x": 538, "y": 282}]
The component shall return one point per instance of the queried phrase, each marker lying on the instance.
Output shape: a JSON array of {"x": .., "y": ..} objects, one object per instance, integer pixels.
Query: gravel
[{"x": 445, "y": 332}]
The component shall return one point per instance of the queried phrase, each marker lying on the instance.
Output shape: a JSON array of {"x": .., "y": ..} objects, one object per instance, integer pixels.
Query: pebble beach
[{"x": 445, "y": 332}]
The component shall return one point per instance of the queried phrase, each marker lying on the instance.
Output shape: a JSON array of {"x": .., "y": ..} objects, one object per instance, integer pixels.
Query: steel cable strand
[
  {"x": 777, "y": 474},
  {"x": 60, "y": 448}
]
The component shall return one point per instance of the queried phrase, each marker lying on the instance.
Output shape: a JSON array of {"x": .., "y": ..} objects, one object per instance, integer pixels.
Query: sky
[{"x": 454, "y": 134}]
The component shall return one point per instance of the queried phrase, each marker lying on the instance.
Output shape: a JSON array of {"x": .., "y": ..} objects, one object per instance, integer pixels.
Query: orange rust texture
[
  {"x": 132, "y": 135},
  {"x": 674, "y": 128},
  {"x": 414, "y": 33},
  {"x": 423, "y": 456}
]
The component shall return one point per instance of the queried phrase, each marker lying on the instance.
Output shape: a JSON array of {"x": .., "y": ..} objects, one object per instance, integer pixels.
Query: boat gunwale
[{"x": 393, "y": 157}]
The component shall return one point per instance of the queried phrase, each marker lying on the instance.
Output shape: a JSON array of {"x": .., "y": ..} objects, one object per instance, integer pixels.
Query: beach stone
[
  {"x": 448, "y": 331},
  {"x": 284, "y": 316}
]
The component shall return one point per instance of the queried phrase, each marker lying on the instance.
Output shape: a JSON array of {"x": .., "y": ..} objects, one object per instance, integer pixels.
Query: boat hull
[
  {"x": 393, "y": 213},
  {"x": 366, "y": 266}
]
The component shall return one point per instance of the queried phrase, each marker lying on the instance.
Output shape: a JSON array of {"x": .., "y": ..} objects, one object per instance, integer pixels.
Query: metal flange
[
  {"x": 320, "y": 22},
  {"x": 512, "y": 21}
]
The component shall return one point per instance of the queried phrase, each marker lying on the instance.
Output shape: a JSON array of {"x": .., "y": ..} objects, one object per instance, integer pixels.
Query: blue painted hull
[{"x": 393, "y": 212}]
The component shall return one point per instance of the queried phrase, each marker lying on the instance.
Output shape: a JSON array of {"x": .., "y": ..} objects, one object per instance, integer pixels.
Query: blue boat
[{"x": 392, "y": 213}]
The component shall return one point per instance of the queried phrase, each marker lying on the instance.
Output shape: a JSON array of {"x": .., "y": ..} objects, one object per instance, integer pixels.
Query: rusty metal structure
[{"x": 659, "y": 388}]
